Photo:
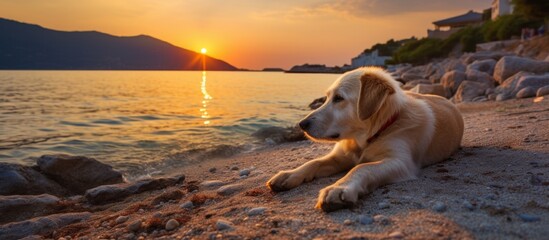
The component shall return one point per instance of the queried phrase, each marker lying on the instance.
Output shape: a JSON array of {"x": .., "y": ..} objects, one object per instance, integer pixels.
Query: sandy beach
[{"x": 495, "y": 187}]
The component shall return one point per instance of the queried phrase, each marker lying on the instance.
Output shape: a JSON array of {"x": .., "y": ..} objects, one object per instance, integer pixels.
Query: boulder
[
  {"x": 483, "y": 55},
  {"x": 480, "y": 77},
  {"x": 20, "y": 207},
  {"x": 517, "y": 82},
  {"x": 280, "y": 134},
  {"x": 435, "y": 89},
  {"x": 22, "y": 180},
  {"x": 510, "y": 65},
  {"x": 414, "y": 73},
  {"x": 452, "y": 79},
  {"x": 542, "y": 91},
  {"x": 454, "y": 65},
  {"x": 526, "y": 92},
  {"x": 411, "y": 84},
  {"x": 486, "y": 65},
  {"x": 40, "y": 225},
  {"x": 78, "y": 173},
  {"x": 469, "y": 90},
  {"x": 434, "y": 72}
]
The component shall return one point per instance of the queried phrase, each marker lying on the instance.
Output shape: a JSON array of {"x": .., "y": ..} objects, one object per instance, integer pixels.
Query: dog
[{"x": 383, "y": 135}]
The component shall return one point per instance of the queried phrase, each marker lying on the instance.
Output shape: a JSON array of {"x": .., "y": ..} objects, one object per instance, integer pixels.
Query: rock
[
  {"x": 396, "y": 234},
  {"x": 234, "y": 168},
  {"x": 221, "y": 225},
  {"x": 528, "y": 217},
  {"x": 413, "y": 73},
  {"x": 146, "y": 185},
  {"x": 210, "y": 184},
  {"x": 487, "y": 66},
  {"x": 212, "y": 170},
  {"x": 121, "y": 219},
  {"x": 542, "y": 91},
  {"x": 454, "y": 65},
  {"x": 434, "y": 89},
  {"x": 171, "y": 224},
  {"x": 411, "y": 84},
  {"x": 468, "y": 91},
  {"x": 480, "y": 99},
  {"x": 347, "y": 222},
  {"x": 502, "y": 97},
  {"x": 22, "y": 180},
  {"x": 510, "y": 65},
  {"x": 257, "y": 211},
  {"x": 480, "y": 77},
  {"x": 78, "y": 173},
  {"x": 468, "y": 205},
  {"x": 187, "y": 205},
  {"x": 317, "y": 103},
  {"x": 365, "y": 220},
  {"x": 485, "y": 55},
  {"x": 526, "y": 92},
  {"x": 439, "y": 207},
  {"x": 492, "y": 97},
  {"x": 135, "y": 226},
  {"x": 383, "y": 205},
  {"x": 244, "y": 172},
  {"x": 451, "y": 80},
  {"x": 517, "y": 82},
  {"x": 382, "y": 219},
  {"x": 229, "y": 189},
  {"x": 40, "y": 225},
  {"x": 279, "y": 134},
  {"x": 20, "y": 207}
]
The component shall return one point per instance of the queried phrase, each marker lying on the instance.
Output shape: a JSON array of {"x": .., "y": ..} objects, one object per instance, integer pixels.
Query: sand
[{"x": 495, "y": 187}]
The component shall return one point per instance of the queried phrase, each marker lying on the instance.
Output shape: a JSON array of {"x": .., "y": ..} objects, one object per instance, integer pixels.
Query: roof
[{"x": 464, "y": 19}]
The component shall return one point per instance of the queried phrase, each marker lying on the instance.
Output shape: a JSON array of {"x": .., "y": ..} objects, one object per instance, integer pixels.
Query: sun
[{"x": 203, "y": 50}]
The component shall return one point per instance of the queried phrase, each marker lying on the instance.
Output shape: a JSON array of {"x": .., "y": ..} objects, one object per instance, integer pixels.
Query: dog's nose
[{"x": 305, "y": 124}]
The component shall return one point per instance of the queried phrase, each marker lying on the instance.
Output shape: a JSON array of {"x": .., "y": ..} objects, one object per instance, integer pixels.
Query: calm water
[{"x": 142, "y": 122}]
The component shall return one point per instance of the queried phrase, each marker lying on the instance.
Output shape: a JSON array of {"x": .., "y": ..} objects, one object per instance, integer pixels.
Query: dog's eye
[{"x": 338, "y": 98}]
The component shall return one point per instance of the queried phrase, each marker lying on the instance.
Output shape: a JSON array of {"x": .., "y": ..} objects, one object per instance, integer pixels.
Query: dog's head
[{"x": 350, "y": 101}]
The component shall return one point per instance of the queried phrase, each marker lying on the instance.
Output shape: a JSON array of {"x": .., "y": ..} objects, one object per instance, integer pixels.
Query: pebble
[
  {"x": 234, "y": 168},
  {"x": 383, "y": 205},
  {"x": 172, "y": 224},
  {"x": 187, "y": 205},
  {"x": 365, "y": 220},
  {"x": 211, "y": 183},
  {"x": 121, "y": 219},
  {"x": 157, "y": 215},
  {"x": 347, "y": 222},
  {"x": 257, "y": 211},
  {"x": 141, "y": 210},
  {"x": 135, "y": 226},
  {"x": 439, "y": 207},
  {"x": 212, "y": 170},
  {"x": 382, "y": 219},
  {"x": 244, "y": 172},
  {"x": 396, "y": 234},
  {"x": 468, "y": 205},
  {"x": 229, "y": 189},
  {"x": 528, "y": 217},
  {"x": 221, "y": 225}
]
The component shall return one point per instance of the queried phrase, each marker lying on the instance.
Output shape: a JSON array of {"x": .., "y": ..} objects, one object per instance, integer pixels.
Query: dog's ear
[{"x": 373, "y": 92}]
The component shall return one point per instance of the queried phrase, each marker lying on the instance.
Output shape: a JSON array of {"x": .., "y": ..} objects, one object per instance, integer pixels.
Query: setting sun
[{"x": 203, "y": 50}]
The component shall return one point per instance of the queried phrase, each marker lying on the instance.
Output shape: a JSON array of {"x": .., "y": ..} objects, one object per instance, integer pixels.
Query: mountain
[{"x": 27, "y": 46}]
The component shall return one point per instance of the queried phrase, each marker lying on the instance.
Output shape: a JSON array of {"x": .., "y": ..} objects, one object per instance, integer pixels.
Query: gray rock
[
  {"x": 435, "y": 89},
  {"x": 244, "y": 172},
  {"x": 526, "y": 92},
  {"x": 485, "y": 55},
  {"x": 502, "y": 97},
  {"x": 22, "y": 180},
  {"x": 78, "y": 173},
  {"x": 528, "y": 217},
  {"x": 40, "y": 225},
  {"x": 468, "y": 205},
  {"x": 221, "y": 225},
  {"x": 454, "y": 65},
  {"x": 171, "y": 224},
  {"x": 257, "y": 211},
  {"x": 365, "y": 220},
  {"x": 542, "y": 91},
  {"x": 480, "y": 77},
  {"x": 411, "y": 84},
  {"x": 451, "y": 80},
  {"x": 382, "y": 219},
  {"x": 521, "y": 80},
  {"x": 210, "y": 184},
  {"x": 229, "y": 189},
  {"x": 187, "y": 205},
  {"x": 486, "y": 66},
  {"x": 468, "y": 91},
  {"x": 121, "y": 219},
  {"x": 510, "y": 65},
  {"x": 439, "y": 207},
  {"x": 20, "y": 207},
  {"x": 135, "y": 226},
  {"x": 383, "y": 205},
  {"x": 413, "y": 73},
  {"x": 280, "y": 134}
]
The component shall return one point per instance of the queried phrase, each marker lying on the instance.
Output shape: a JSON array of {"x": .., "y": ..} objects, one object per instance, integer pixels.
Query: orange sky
[{"x": 249, "y": 34}]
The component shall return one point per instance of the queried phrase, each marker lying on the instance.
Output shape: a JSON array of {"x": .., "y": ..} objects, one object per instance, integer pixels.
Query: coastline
[{"x": 493, "y": 187}]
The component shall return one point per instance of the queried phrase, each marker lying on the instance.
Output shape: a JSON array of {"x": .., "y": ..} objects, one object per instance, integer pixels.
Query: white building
[
  {"x": 501, "y": 7},
  {"x": 368, "y": 59}
]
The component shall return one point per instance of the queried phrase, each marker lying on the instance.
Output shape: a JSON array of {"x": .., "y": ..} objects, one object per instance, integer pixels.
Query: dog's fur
[{"x": 358, "y": 114}]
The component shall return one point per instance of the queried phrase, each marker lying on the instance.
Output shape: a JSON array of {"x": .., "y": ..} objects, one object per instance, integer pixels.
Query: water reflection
[{"x": 205, "y": 100}]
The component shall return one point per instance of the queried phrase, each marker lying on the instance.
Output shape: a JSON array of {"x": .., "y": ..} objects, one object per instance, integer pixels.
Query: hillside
[{"x": 26, "y": 46}]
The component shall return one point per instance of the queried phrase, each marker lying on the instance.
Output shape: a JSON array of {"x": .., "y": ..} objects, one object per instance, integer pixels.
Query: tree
[{"x": 538, "y": 9}]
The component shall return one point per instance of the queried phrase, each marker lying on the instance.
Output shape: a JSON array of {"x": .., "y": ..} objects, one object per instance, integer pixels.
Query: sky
[{"x": 251, "y": 34}]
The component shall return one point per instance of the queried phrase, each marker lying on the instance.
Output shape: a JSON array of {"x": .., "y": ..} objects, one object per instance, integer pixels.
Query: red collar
[{"x": 385, "y": 126}]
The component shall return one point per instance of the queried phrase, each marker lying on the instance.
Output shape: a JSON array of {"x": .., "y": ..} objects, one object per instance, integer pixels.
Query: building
[
  {"x": 446, "y": 27},
  {"x": 368, "y": 59},
  {"x": 501, "y": 7}
]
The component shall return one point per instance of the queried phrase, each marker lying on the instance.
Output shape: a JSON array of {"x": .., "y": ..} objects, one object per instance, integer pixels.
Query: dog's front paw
[
  {"x": 284, "y": 180},
  {"x": 336, "y": 197}
]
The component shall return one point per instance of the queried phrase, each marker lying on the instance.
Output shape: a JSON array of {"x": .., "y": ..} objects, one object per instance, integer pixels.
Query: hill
[{"x": 27, "y": 46}]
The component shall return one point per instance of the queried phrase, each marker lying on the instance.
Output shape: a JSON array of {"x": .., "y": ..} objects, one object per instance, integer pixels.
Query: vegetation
[{"x": 389, "y": 47}]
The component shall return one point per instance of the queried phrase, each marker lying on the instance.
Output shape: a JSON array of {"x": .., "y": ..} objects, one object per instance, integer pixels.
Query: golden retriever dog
[{"x": 383, "y": 135}]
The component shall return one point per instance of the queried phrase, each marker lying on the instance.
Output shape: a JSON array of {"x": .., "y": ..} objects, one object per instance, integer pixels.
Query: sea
[{"x": 144, "y": 123}]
